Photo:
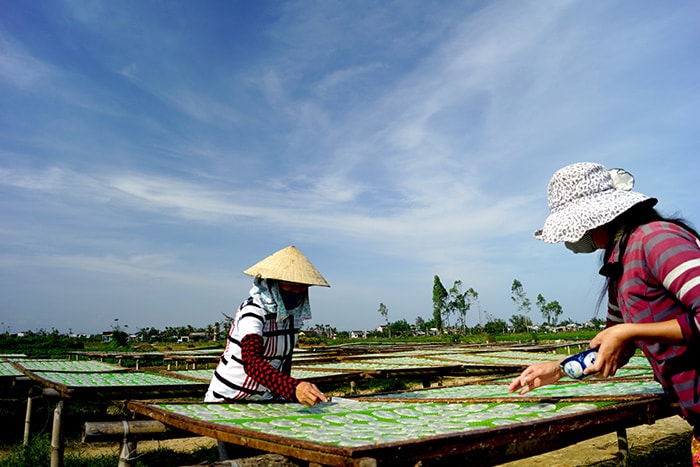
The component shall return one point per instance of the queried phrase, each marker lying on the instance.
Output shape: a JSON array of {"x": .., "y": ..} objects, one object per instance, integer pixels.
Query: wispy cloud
[
  {"x": 19, "y": 68},
  {"x": 392, "y": 141}
]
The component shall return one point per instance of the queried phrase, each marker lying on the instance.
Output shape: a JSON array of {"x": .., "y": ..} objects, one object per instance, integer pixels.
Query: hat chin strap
[{"x": 584, "y": 245}]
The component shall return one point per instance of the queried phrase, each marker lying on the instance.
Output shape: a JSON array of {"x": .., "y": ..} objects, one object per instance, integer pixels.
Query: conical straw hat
[{"x": 290, "y": 265}]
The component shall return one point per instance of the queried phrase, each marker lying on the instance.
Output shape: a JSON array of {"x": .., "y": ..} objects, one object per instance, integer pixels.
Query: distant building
[{"x": 358, "y": 334}]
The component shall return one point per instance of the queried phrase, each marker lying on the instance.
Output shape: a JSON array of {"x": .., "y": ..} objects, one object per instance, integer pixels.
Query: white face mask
[{"x": 585, "y": 245}]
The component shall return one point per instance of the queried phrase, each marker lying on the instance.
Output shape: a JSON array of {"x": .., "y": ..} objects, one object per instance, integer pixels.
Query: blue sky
[{"x": 150, "y": 151}]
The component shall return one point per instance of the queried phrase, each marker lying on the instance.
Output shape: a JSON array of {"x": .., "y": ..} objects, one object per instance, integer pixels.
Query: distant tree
[
  {"x": 429, "y": 326},
  {"x": 550, "y": 310},
  {"x": 459, "y": 303},
  {"x": 329, "y": 331},
  {"x": 324, "y": 330},
  {"x": 420, "y": 324},
  {"x": 173, "y": 332},
  {"x": 226, "y": 323},
  {"x": 597, "y": 322},
  {"x": 150, "y": 334},
  {"x": 522, "y": 303},
  {"x": 472, "y": 297},
  {"x": 119, "y": 337},
  {"x": 439, "y": 299},
  {"x": 384, "y": 311},
  {"x": 496, "y": 326},
  {"x": 541, "y": 304},
  {"x": 555, "y": 311},
  {"x": 521, "y": 323},
  {"x": 400, "y": 328},
  {"x": 566, "y": 322}
]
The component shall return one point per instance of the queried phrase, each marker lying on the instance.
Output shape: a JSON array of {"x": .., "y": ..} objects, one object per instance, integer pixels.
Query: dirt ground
[{"x": 600, "y": 451}]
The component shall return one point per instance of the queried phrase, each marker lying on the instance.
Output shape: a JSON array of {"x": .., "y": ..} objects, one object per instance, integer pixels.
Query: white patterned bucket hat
[{"x": 584, "y": 196}]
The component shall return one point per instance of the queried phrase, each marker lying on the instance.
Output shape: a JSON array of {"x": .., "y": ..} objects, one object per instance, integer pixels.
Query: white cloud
[
  {"x": 396, "y": 144},
  {"x": 19, "y": 68}
]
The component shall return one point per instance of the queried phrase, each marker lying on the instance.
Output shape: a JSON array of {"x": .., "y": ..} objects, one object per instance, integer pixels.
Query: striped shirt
[
  {"x": 660, "y": 281},
  {"x": 257, "y": 360}
]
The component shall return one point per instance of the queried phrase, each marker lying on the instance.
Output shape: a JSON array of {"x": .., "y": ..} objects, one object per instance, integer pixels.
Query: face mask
[
  {"x": 291, "y": 300},
  {"x": 585, "y": 245}
]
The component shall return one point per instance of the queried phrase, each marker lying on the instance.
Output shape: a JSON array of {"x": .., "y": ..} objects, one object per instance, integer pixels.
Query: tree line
[{"x": 455, "y": 303}]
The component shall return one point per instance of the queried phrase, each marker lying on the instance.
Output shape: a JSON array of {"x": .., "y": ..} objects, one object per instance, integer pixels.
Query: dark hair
[{"x": 640, "y": 214}]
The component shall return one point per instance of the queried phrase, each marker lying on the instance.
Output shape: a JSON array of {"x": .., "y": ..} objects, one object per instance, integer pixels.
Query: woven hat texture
[
  {"x": 290, "y": 265},
  {"x": 584, "y": 196}
]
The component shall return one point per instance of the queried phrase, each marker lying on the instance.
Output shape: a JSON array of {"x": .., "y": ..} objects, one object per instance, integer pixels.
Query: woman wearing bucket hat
[
  {"x": 652, "y": 268},
  {"x": 257, "y": 361}
]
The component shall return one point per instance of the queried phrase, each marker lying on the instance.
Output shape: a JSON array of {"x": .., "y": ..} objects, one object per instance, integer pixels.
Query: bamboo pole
[
  {"x": 28, "y": 420},
  {"x": 128, "y": 450},
  {"x": 134, "y": 429},
  {"x": 623, "y": 451},
  {"x": 57, "y": 436}
]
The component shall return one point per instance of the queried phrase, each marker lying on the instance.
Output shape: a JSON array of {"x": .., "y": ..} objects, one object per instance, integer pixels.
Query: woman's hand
[
  {"x": 611, "y": 343},
  {"x": 534, "y": 376},
  {"x": 308, "y": 394}
]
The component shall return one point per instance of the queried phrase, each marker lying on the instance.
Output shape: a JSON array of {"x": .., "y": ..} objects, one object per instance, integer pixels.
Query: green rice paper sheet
[
  {"x": 419, "y": 353},
  {"x": 491, "y": 359},
  {"x": 635, "y": 372},
  {"x": 111, "y": 380},
  {"x": 638, "y": 362},
  {"x": 378, "y": 364},
  {"x": 349, "y": 423},
  {"x": 512, "y": 356},
  {"x": 74, "y": 366},
  {"x": 401, "y": 362},
  {"x": 7, "y": 369},
  {"x": 521, "y": 358},
  {"x": 310, "y": 374},
  {"x": 553, "y": 391}
]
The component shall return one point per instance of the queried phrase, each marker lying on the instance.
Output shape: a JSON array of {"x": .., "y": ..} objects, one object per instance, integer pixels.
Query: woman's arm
[
  {"x": 534, "y": 376},
  {"x": 672, "y": 254},
  {"x": 612, "y": 341},
  {"x": 278, "y": 383}
]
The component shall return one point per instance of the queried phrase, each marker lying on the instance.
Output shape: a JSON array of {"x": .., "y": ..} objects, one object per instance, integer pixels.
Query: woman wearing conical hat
[
  {"x": 652, "y": 269},
  {"x": 256, "y": 364}
]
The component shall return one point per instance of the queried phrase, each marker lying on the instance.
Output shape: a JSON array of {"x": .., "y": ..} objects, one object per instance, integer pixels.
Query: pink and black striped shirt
[{"x": 660, "y": 281}]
